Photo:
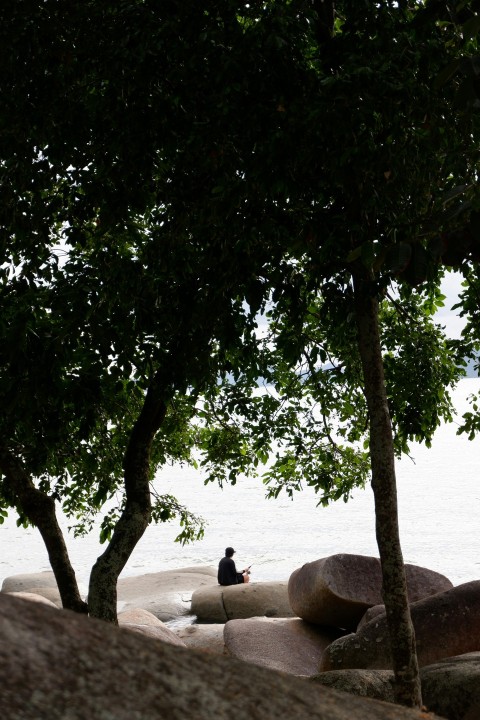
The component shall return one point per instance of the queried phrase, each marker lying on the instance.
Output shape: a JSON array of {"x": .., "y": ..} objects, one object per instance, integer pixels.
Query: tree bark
[
  {"x": 102, "y": 594},
  {"x": 39, "y": 508},
  {"x": 402, "y": 635}
]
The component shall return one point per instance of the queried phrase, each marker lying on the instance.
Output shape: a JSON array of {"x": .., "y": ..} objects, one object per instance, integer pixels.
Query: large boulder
[
  {"x": 337, "y": 590},
  {"x": 207, "y": 605},
  {"x": 446, "y": 624},
  {"x": 376, "y": 684},
  {"x": 219, "y": 604},
  {"x": 58, "y": 664},
  {"x": 371, "y": 613},
  {"x": 167, "y": 594},
  {"x": 33, "y": 597},
  {"x": 208, "y": 638},
  {"x": 27, "y": 582},
  {"x": 287, "y": 644},
  {"x": 145, "y": 623},
  {"x": 451, "y": 687},
  {"x": 41, "y": 583}
]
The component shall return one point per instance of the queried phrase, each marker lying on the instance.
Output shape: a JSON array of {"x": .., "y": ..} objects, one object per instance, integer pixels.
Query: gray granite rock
[
  {"x": 287, "y": 644},
  {"x": 34, "y": 597},
  {"x": 63, "y": 665},
  {"x": 451, "y": 687},
  {"x": 445, "y": 624},
  {"x": 208, "y": 638},
  {"x": 376, "y": 684},
  {"x": 26, "y": 582},
  {"x": 166, "y": 594},
  {"x": 337, "y": 590},
  {"x": 207, "y": 605},
  {"x": 143, "y": 622},
  {"x": 219, "y": 604}
]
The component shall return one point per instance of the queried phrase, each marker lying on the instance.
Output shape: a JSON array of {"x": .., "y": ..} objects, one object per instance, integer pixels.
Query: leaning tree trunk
[
  {"x": 402, "y": 635},
  {"x": 102, "y": 594},
  {"x": 39, "y": 508}
]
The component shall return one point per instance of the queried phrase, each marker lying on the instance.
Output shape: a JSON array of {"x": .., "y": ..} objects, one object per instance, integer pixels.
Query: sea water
[{"x": 439, "y": 511}]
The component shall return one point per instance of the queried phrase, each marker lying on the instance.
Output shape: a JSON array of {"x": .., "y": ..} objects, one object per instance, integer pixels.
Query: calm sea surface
[{"x": 439, "y": 507}]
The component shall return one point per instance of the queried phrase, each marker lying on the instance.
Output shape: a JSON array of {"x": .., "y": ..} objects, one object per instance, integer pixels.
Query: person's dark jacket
[{"x": 227, "y": 572}]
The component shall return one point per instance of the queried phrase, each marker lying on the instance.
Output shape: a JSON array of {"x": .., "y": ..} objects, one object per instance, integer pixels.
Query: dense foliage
[{"x": 170, "y": 172}]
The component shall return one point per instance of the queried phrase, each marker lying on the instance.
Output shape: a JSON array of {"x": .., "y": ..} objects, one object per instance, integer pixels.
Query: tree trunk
[
  {"x": 102, "y": 593},
  {"x": 39, "y": 508},
  {"x": 402, "y": 635}
]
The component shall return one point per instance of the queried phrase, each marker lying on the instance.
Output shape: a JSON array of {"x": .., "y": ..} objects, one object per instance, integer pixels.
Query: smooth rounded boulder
[
  {"x": 376, "y": 684},
  {"x": 41, "y": 583},
  {"x": 207, "y": 605},
  {"x": 208, "y": 638},
  {"x": 445, "y": 625},
  {"x": 61, "y": 665},
  {"x": 371, "y": 613},
  {"x": 166, "y": 594},
  {"x": 287, "y": 644},
  {"x": 143, "y": 622},
  {"x": 339, "y": 589},
  {"x": 26, "y": 582},
  {"x": 219, "y": 604},
  {"x": 34, "y": 597}
]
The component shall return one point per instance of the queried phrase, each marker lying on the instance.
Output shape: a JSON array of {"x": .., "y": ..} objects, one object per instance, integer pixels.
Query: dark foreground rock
[
  {"x": 445, "y": 625},
  {"x": 452, "y": 687},
  {"x": 56, "y": 665},
  {"x": 217, "y": 604},
  {"x": 337, "y": 590}
]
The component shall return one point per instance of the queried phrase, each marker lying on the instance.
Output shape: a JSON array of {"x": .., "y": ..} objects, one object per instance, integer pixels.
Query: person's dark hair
[{"x": 229, "y": 551}]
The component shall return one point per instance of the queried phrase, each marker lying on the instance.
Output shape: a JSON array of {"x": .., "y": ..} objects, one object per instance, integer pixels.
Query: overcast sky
[{"x": 446, "y": 316}]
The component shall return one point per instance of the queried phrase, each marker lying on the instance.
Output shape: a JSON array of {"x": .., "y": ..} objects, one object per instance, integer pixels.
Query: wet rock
[
  {"x": 339, "y": 589},
  {"x": 445, "y": 625},
  {"x": 60, "y": 664},
  {"x": 287, "y": 644}
]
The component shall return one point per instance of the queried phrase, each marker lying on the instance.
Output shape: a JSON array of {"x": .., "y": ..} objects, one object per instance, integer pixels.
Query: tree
[
  {"x": 278, "y": 139},
  {"x": 371, "y": 167},
  {"x": 117, "y": 366}
]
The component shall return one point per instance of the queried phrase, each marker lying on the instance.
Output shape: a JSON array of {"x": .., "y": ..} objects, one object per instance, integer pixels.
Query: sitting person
[{"x": 227, "y": 572}]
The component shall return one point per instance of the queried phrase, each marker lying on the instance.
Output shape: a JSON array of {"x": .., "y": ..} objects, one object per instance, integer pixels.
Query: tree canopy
[{"x": 201, "y": 163}]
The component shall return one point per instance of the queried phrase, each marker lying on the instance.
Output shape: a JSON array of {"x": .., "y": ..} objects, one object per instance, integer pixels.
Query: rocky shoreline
[{"x": 325, "y": 625}]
